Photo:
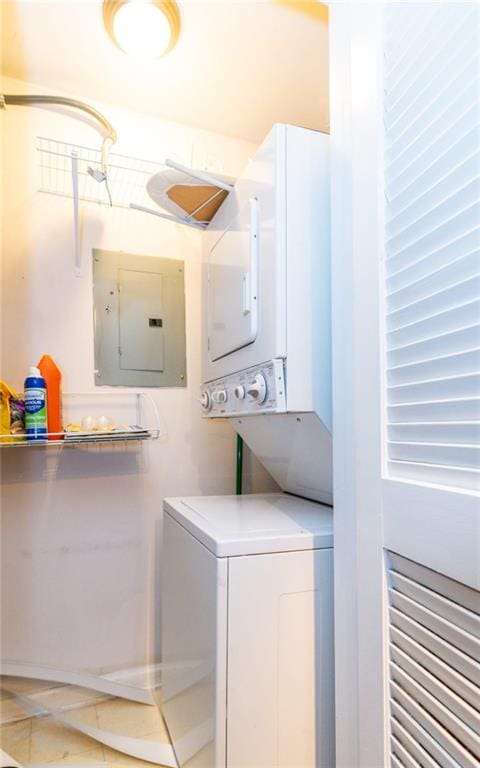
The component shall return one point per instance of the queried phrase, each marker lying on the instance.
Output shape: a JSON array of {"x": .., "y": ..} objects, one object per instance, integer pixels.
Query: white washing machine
[{"x": 247, "y": 631}]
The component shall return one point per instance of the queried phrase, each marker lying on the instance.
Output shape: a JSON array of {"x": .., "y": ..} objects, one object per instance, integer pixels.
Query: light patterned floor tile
[
  {"x": 42, "y": 741},
  {"x": 66, "y": 696},
  {"x": 10, "y": 711},
  {"x": 119, "y": 760},
  {"x": 22, "y": 685},
  {"x": 129, "y": 718},
  {"x": 52, "y": 741},
  {"x": 93, "y": 757},
  {"x": 84, "y": 715},
  {"x": 158, "y": 735},
  {"x": 15, "y": 740}
]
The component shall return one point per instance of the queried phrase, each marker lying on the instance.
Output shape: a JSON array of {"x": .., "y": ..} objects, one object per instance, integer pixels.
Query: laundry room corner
[{"x": 101, "y": 505}]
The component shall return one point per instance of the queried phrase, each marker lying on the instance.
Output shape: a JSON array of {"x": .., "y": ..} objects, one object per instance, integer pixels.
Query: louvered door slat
[
  {"x": 450, "y": 433},
  {"x": 448, "y": 631},
  {"x": 441, "y": 411},
  {"x": 447, "y": 343},
  {"x": 404, "y": 40},
  {"x": 431, "y": 143},
  {"x": 409, "y": 139},
  {"x": 451, "y": 181},
  {"x": 395, "y": 762},
  {"x": 460, "y": 456},
  {"x": 407, "y": 760},
  {"x": 450, "y": 722},
  {"x": 464, "y": 664},
  {"x": 434, "y": 728},
  {"x": 437, "y": 160},
  {"x": 425, "y": 219},
  {"x": 445, "y": 366},
  {"x": 422, "y": 278},
  {"x": 421, "y": 727},
  {"x": 457, "y": 682},
  {"x": 424, "y": 72},
  {"x": 437, "y": 474},
  {"x": 456, "y": 614},
  {"x": 403, "y": 743},
  {"x": 465, "y": 596},
  {"x": 460, "y": 708},
  {"x": 467, "y": 385},
  {"x": 408, "y": 249},
  {"x": 461, "y": 316},
  {"x": 417, "y": 56},
  {"x": 454, "y": 296}
]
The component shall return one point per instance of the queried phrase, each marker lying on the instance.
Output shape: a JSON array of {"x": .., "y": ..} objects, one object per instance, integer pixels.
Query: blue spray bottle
[{"x": 35, "y": 405}]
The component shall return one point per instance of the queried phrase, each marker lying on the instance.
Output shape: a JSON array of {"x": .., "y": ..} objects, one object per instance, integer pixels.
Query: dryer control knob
[
  {"x": 220, "y": 396},
  {"x": 257, "y": 391},
  {"x": 205, "y": 401},
  {"x": 240, "y": 392}
]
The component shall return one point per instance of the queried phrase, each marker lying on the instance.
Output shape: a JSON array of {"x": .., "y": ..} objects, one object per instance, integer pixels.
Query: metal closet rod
[
  {"x": 109, "y": 138},
  {"x": 20, "y": 100}
]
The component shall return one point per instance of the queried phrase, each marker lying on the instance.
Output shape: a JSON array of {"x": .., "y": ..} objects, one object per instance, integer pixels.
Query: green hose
[{"x": 239, "y": 467}]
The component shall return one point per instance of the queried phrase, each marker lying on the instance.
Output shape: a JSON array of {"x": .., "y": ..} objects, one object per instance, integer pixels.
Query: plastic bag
[{"x": 12, "y": 414}]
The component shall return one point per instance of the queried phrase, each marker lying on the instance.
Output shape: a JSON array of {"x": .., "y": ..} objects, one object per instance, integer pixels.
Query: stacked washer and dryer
[{"x": 247, "y": 611}]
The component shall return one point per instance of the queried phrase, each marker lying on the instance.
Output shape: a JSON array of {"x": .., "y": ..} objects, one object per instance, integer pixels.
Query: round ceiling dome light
[{"x": 145, "y": 29}]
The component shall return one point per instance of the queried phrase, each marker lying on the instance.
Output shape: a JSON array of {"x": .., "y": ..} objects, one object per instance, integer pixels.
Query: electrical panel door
[
  {"x": 139, "y": 320},
  {"x": 140, "y": 317}
]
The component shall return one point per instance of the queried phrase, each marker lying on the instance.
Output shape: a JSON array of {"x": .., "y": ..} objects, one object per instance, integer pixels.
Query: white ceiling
[{"x": 239, "y": 65}]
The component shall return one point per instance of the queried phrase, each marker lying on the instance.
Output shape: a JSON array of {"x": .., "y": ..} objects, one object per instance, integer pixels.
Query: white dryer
[
  {"x": 247, "y": 632},
  {"x": 266, "y": 301}
]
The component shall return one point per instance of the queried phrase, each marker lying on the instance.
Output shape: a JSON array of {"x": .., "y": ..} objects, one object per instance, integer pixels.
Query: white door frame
[{"x": 356, "y": 227}]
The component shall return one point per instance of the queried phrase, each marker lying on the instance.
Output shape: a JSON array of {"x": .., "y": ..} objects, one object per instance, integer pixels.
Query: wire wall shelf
[
  {"x": 132, "y": 417},
  {"x": 127, "y": 176},
  {"x": 75, "y": 171}
]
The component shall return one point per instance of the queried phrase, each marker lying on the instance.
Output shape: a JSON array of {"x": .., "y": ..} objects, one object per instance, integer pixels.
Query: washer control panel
[{"x": 260, "y": 389}]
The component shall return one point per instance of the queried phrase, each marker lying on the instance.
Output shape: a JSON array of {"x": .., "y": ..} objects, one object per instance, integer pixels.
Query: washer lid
[{"x": 254, "y": 524}]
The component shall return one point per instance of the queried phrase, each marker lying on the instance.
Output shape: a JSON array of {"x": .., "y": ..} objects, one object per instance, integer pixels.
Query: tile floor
[{"x": 39, "y": 740}]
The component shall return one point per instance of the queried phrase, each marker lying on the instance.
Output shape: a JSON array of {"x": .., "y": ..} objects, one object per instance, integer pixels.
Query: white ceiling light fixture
[{"x": 146, "y": 29}]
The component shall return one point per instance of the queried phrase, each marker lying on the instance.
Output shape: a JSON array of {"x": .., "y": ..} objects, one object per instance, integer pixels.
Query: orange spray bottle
[{"x": 53, "y": 379}]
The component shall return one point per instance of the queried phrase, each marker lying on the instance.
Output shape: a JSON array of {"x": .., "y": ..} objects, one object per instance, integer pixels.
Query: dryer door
[{"x": 233, "y": 284}]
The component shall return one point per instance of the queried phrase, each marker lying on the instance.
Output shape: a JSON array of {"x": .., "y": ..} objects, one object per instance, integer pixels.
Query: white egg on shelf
[
  {"x": 89, "y": 423},
  {"x": 105, "y": 423}
]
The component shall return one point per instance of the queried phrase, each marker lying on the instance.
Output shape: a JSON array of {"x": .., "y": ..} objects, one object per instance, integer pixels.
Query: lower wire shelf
[
  {"x": 92, "y": 439},
  {"x": 134, "y": 417}
]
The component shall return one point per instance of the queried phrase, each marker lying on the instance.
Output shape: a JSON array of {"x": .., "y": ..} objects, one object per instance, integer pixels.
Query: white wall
[{"x": 81, "y": 529}]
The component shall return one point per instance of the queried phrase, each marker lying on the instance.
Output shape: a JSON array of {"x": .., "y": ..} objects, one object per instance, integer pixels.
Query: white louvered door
[
  {"x": 405, "y": 89},
  {"x": 432, "y": 274}
]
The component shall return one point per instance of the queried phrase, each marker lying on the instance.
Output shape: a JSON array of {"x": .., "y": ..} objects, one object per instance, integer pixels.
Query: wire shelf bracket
[{"x": 76, "y": 215}]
